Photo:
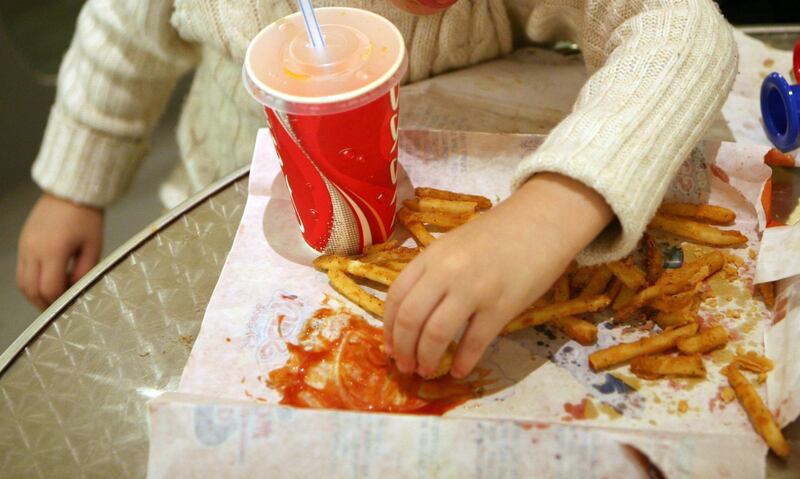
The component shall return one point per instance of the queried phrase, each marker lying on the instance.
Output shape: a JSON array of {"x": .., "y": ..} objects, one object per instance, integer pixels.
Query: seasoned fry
[
  {"x": 385, "y": 246},
  {"x": 421, "y": 235},
  {"x": 767, "y": 291},
  {"x": 702, "y": 213},
  {"x": 630, "y": 274},
  {"x": 697, "y": 232},
  {"x": 598, "y": 282},
  {"x": 614, "y": 288},
  {"x": 535, "y": 316},
  {"x": 448, "y": 207},
  {"x": 754, "y": 362},
  {"x": 328, "y": 261},
  {"x": 624, "y": 298},
  {"x": 655, "y": 259},
  {"x": 394, "y": 265},
  {"x": 482, "y": 202},
  {"x": 639, "y": 299},
  {"x": 445, "y": 363},
  {"x": 687, "y": 276},
  {"x": 757, "y": 411},
  {"x": 704, "y": 342},
  {"x": 350, "y": 290},
  {"x": 579, "y": 330},
  {"x": 370, "y": 271},
  {"x": 397, "y": 254},
  {"x": 676, "y": 318},
  {"x": 655, "y": 367},
  {"x": 581, "y": 276},
  {"x": 438, "y": 219},
  {"x": 655, "y": 344},
  {"x": 412, "y": 204},
  {"x": 674, "y": 302},
  {"x": 561, "y": 289}
]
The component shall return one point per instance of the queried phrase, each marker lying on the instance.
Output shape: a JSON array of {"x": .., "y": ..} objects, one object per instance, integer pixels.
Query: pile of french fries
[{"x": 632, "y": 292}]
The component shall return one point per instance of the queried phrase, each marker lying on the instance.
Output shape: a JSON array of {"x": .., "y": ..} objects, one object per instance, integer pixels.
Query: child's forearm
[{"x": 576, "y": 212}]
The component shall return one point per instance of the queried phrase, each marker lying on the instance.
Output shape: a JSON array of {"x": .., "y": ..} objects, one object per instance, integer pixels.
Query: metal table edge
[{"x": 107, "y": 263}]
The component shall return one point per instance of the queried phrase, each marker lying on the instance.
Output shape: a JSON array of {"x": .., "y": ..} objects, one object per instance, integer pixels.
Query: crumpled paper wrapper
[{"x": 539, "y": 376}]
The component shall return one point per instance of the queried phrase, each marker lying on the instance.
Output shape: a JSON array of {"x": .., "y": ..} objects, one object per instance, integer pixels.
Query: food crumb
[
  {"x": 683, "y": 406},
  {"x": 144, "y": 354},
  {"x": 761, "y": 378},
  {"x": 751, "y": 253},
  {"x": 727, "y": 394},
  {"x": 242, "y": 380},
  {"x": 228, "y": 340}
]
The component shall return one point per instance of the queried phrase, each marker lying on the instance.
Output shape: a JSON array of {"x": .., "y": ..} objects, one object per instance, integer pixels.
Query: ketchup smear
[{"x": 349, "y": 370}]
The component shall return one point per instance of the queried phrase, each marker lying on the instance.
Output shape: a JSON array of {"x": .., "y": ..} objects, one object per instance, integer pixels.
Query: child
[{"x": 660, "y": 70}]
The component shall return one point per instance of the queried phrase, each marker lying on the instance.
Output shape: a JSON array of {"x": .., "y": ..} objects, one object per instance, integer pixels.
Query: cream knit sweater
[{"x": 660, "y": 69}]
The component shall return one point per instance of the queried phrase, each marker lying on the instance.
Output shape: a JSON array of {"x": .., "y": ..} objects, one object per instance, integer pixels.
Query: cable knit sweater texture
[{"x": 659, "y": 70}]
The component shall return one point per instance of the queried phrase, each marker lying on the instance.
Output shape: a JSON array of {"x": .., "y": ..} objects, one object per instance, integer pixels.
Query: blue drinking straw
[{"x": 312, "y": 26}]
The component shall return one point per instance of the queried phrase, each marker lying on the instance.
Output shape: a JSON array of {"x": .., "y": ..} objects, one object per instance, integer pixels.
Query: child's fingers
[
  {"x": 412, "y": 313},
  {"x": 397, "y": 293},
  {"x": 479, "y": 334},
  {"x": 442, "y": 326},
  {"x": 53, "y": 278},
  {"x": 30, "y": 283},
  {"x": 87, "y": 258}
]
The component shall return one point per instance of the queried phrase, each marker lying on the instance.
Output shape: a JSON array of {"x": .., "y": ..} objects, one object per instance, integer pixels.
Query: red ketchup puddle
[{"x": 347, "y": 369}]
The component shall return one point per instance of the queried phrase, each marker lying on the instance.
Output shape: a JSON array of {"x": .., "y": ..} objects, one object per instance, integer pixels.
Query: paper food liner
[{"x": 540, "y": 376}]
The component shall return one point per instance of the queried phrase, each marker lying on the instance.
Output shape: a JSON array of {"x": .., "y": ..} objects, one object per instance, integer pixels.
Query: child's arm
[
  {"x": 660, "y": 71},
  {"x": 487, "y": 271},
  {"x": 113, "y": 84}
]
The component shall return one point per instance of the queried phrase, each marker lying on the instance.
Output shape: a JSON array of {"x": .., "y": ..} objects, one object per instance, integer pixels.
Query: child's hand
[
  {"x": 56, "y": 232},
  {"x": 482, "y": 274}
]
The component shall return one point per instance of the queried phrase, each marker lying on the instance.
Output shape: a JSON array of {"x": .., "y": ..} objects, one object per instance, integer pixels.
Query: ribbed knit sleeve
[
  {"x": 113, "y": 85},
  {"x": 659, "y": 70}
]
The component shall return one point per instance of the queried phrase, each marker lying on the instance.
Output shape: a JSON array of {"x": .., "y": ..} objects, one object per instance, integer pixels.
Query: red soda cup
[{"x": 333, "y": 117}]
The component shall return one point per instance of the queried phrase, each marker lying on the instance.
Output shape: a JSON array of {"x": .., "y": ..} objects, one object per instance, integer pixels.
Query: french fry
[
  {"x": 767, "y": 291},
  {"x": 581, "y": 276},
  {"x": 630, "y": 274},
  {"x": 438, "y": 219},
  {"x": 535, "y": 316},
  {"x": 655, "y": 259},
  {"x": 754, "y": 362},
  {"x": 624, "y": 298},
  {"x": 697, "y": 232},
  {"x": 482, "y": 202},
  {"x": 605, "y": 358},
  {"x": 448, "y": 207},
  {"x": 757, "y": 411},
  {"x": 394, "y": 265},
  {"x": 613, "y": 289},
  {"x": 370, "y": 271},
  {"x": 674, "y": 302},
  {"x": 352, "y": 291},
  {"x": 421, "y": 235},
  {"x": 655, "y": 367},
  {"x": 445, "y": 363},
  {"x": 598, "y": 282},
  {"x": 561, "y": 289},
  {"x": 412, "y": 204},
  {"x": 579, "y": 330},
  {"x": 675, "y": 318},
  {"x": 328, "y": 261},
  {"x": 708, "y": 340},
  {"x": 397, "y": 254},
  {"x": 687, "y": 276},
  {"x": 702, "y": 213},
  {"x": 639, "y": 299},
  {"x": 387, "y": 245}
]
